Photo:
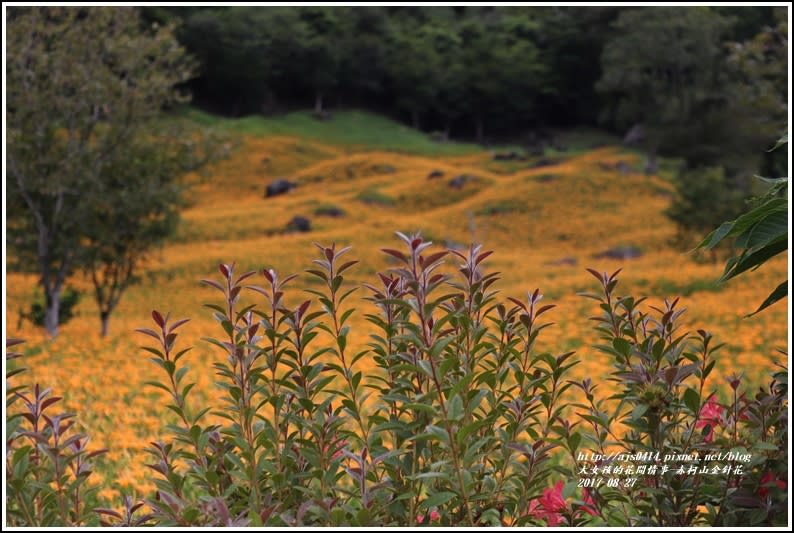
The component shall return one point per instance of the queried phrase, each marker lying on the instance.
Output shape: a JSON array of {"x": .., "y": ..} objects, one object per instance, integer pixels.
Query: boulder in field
[
  {"x": 509, "y": 156},
  {"x": 623, "y": 167},
  {"x": 278, "y": 187},
  {"x": 435, "y": 174},
  {"x": 564, "y": 261},
  {"x": 459, "y": 181},
  {"x": 299, "y": 224},
  {"x": 620, "y": 252}
]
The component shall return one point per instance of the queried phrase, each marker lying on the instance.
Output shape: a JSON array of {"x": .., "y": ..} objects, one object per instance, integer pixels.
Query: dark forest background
[{"x": 490, "y": 73}]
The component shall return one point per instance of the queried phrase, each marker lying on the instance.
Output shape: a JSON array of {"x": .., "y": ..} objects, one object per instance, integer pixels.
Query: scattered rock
[
  {"x": 329, "y": 211},
  {"x": 623, "y": 167},
  {"x": 435, "y": 174},
  {"x": 266, "y": 160},
  {"x": 280, "y": 186},
  {"x": 651, "y": 165},
  {"x": 509, "y": 156},
  {"x": 620, "y": 252},
  {"x": 635, "y": 136},
  {"x": 459, "y": 181},
  {"x": 564, "y": 261},
  {"x": 299, "y": 224}
]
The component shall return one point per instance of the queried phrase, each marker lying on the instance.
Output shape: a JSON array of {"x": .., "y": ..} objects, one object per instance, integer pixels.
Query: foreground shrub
[
  {"x": 464, "y": 419},
  {"x": 47, "y": 461}
]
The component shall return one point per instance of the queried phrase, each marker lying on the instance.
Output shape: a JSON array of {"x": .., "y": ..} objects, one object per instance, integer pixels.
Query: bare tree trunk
[
  {"x": 480, "y": 129},
  {"x": 104, "y": 316},
  {"x": 318, "y": 102},
  {"x": 651, "y": 163},
  {"x": 52, "y": 299}
]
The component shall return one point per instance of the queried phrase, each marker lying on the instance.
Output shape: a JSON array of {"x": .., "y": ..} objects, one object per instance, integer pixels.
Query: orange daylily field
[{"x": 539, "y": 221}]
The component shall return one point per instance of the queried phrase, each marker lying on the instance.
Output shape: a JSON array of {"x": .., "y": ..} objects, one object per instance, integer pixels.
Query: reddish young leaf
[
  {"x": 178, "y": 323},
  {"x": 215, "y": 284},
  {"x": 147, "y": 331},
  {"x": 596, "y": 274},
  {"x": 482, "y": 257},
  {"x": 158, "y": 318},
  {"x": 518, "y": 302},
  {"x": 304, "y": 306},
  {"x": 395, "y": 253}
]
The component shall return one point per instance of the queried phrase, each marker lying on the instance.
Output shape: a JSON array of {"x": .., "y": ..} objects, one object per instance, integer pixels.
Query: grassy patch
[
  {"x": 440, "y": 194},
  {"x": 348, "y": 128},
  {"x": 375, "y": 197},
  {"x": 543, "y": 178},
  {"x": 502, "y": 207},
  {"x": 583, "y": 139},
  {"x": 329, "y": 210},
  {"x": 666, "y": 287}
]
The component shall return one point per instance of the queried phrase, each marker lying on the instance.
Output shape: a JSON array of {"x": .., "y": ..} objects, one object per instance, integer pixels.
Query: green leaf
[
  {"x": 574, "y": 440},
  {"x": 778, "y": 294},
  {"x": 766, "y": 230},
  {"x": 158, "y": 385},
  {"x": 425, "y": 408},
  {"x": 780, "y": 142},
  {"x": 455, "y": 408},
  {"x": 169, "y": 367},
  {"x": 569, "y": 489},
  {"x": 742, "y": 223},
  {"x": 638, "y": 411},
  {"x": 692, "y": 400},
  {"x": 622, "y": 346},
  {"x": 755, "y": 259},
  {"x": 437, "y": 499}
]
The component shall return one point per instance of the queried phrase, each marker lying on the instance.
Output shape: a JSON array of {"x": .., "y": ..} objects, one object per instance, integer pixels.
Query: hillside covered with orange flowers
[{"x": 547, "y": 218}]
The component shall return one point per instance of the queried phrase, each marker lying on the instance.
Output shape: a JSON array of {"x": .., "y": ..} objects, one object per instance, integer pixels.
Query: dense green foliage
[
  {"x": 714, "y": 105},
  {"x": 467, "y": 71}
]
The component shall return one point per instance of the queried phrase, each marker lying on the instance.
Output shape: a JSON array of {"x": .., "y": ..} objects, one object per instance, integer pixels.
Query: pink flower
[
  {"x": 710, "y": 415},
  {"x": 766, "y": 480},
  {"x": 550, "y": 506},
  {"x": 435, "y": 516}
]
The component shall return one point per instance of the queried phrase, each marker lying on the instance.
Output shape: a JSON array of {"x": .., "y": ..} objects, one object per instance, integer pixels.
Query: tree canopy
[{"x": 92, "y": 180}]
